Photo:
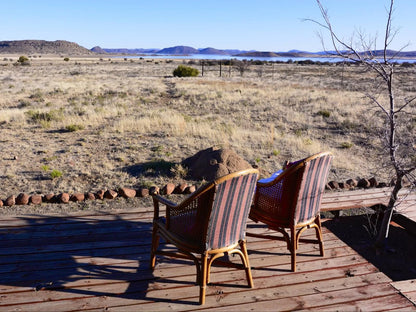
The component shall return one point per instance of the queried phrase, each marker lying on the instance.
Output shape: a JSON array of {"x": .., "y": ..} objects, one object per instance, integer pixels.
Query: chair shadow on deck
[
  {"x": 397, "y": 261},
  {"x": 83, "y": 255}
]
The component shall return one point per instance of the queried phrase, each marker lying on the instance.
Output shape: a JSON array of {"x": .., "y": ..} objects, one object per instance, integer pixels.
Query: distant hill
[
  {"x": 71, "y": 48},
  {"x": 182, "y": 50},
  {"x": 98, "y": 50},
  {"x": 130, "y": 51},
  {"x": 258, "y": 54},
  {"x": 212, "y": 51},
  {"x": 43, "y": 47},
  {"x": 176, "y": 50}
]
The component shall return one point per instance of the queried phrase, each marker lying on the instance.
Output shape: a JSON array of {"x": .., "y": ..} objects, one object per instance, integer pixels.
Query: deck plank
[{"x": 363, "y": 198}]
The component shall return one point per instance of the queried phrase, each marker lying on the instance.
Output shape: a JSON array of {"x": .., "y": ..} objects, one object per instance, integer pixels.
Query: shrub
[
  {"x": 74, "y": 127},
  {"x": 53, "y": 115},
  {"x": 324, "y": 113},
  {"x": 23, "y": 59},
  {"x": 66, "y": 59},
  {"x": 185, "y": 71},
  {"x": 56, "y": 174},
  {"x": 346, "y": 145}
]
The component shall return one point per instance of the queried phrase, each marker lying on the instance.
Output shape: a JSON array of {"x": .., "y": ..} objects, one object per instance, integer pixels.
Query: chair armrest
[
  {"x": 164, "y": 201},
  {"x": 159, "y": 199}
]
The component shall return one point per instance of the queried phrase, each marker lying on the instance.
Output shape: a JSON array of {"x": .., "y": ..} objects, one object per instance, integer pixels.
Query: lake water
[{"x": 231, "y": 57}]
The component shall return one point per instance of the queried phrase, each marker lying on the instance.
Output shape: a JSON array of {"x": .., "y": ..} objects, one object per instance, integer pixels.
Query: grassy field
[{"x": 96, "y": 123}]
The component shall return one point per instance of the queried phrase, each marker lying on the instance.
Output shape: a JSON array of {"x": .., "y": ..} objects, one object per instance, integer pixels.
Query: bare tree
[
  {"x": 398, "y": 141},
  {"x": 242, "y": 66}
]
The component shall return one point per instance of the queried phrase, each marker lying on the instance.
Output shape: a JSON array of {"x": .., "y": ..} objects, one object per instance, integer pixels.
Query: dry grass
[{"x": 99, "y": 120}]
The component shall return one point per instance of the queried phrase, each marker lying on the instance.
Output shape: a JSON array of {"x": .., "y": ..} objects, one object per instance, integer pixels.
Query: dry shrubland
[{"x": 109, "y": 123}]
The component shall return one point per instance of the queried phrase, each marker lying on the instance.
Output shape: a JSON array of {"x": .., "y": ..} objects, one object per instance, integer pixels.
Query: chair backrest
[
  {"x": 295, "y": 194},
  {"x": 228, "y": 216},
  {"x": 311, "y": 187}
]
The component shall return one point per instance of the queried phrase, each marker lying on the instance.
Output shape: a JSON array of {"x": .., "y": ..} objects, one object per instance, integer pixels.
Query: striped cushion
[
  {"x": 311, "y": 188},
  {"x": 231, "y": 205}
]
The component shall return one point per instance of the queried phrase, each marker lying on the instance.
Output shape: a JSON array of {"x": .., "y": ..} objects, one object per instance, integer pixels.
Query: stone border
[
  {"x": 64, "y": 198},
  {"x": 169, "y": 188}
]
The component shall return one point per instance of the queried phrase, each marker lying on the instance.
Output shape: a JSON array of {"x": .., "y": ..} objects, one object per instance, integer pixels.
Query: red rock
[
  {"x": 142, "y": 192},
  {"x": 342, "y": 185},
  {"x": 373, "y": 182},
  {"x": 153, "y": 190},
  {"x": 364, "y": 183},
  {"x": 35, "y": 199},
  {"x": 212, "y": 163},
  {"x": 89, "y": 196},
  {"x": 190, "y": 189},
  {"x": 100, "y": 194},
  {"x": 10, "y": 201},
  {"x": 382, "y": 184},
  {"x": 22, "y": 199},
  {"x": 127, "y": 192},
  {"x": 77, "y": 197},
  {"x": 180, "y": 188},
  {"x": 49, "y": 198},
  {"x": 352, "y": 182},
  {"x": 168, "y": 189},
  {"x": 63, "y": 198},
  {"x": 110, "y": 194},
  {"x": 334, "y": 185}
]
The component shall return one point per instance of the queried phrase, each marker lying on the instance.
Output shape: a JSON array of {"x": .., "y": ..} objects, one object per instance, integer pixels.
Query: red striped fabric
[
  {"x": 230, "y": 209},
  {"x": 312, "y": 188}
]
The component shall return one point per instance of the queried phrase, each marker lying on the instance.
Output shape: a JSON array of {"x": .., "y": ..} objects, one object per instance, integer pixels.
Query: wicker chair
[
  {"x": 209, "y": 224},
  {"x": 292, "y": 201}
]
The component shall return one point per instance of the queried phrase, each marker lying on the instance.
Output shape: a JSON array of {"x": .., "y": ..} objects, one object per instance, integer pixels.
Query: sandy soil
[{"x": 100, "y": 123}]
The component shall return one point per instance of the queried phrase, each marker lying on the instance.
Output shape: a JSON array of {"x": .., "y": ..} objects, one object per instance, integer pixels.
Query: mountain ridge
[
  {"x": 187, "y": 50},
  {"x": 72, "y": 48},
  {"x": 43, "y": 47}
]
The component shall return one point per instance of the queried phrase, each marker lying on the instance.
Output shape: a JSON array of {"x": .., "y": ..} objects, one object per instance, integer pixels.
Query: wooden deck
[
  {"x": 405, "y": 212},
  {"x": 100, "y": 262},
  {"x": 342, "y": 200}
]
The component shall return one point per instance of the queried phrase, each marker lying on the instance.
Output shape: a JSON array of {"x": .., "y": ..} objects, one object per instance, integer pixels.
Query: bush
[
  {"x": 346, "y": 145},
  {"x": 56, "y": 174},
  {"x": 185, "y": 71},
  {"x": 23, "y": 59},
  {"x": 74, "y": 127},
  {"x": 324, "y": 113},
  {"x": 66, "y": 59}
]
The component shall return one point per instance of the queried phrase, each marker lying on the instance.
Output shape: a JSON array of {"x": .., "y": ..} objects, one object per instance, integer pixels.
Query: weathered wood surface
[
  {"x": 100, "y": 261},
  {"x": 364, "y": 198},
  {"x": 407, "y": 288}
]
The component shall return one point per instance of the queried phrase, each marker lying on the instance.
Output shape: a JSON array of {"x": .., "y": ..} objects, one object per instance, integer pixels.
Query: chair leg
[
  {"x": 203, "y": 281},
  {"x": 155, "y": 245},
  {"x": 293, "y": 248},
  {"x": 318, "y": 230},
  {"x": 246, "y": 264}
]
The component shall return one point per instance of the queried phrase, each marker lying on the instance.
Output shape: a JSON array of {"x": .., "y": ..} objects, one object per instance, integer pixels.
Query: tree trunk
[{"x": 388, "y": 213}]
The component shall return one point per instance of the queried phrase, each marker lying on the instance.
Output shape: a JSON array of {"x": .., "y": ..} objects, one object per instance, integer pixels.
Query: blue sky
[{"x": 263, "y": 25}]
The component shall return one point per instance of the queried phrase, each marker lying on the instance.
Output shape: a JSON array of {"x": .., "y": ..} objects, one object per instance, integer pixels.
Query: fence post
[{"x": 220, "y": 68}]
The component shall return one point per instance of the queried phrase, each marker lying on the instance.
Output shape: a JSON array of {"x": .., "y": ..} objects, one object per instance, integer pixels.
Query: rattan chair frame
[
  {"x": 288, "y": 224},
  {"x": 188, "y": 249}
]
